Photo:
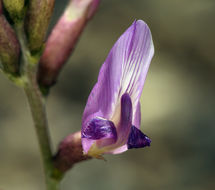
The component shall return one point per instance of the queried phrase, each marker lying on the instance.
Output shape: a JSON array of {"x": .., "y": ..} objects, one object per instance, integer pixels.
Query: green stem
[{"x": 37, "y": 105}]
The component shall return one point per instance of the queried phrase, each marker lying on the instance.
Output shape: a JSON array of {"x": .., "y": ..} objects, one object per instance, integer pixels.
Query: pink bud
[{"x": 63, "y": 39}]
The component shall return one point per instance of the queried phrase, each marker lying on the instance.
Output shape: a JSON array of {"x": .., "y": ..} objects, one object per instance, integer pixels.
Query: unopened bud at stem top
[{"x": 37, "y": 22}]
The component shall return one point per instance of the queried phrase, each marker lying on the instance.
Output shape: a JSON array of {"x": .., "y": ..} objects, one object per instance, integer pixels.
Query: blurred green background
[{"x": 178, "y": 104}]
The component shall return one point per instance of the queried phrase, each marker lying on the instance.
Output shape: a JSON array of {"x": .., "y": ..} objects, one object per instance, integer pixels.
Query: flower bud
[
  {"x": 15, "y": 8},
  {"x": 9, "y": 46},
  {"x": 63, "y": 39},
  {"x": 69, "y": 152},
  {"x": 37, "y": 22}
]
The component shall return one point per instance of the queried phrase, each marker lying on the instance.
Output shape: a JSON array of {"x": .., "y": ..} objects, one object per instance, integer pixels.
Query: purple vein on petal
[
  {"x": 134, "y": 78},
  {"x": 137, "y": 67},
  {"x": 138, "y": 60}
]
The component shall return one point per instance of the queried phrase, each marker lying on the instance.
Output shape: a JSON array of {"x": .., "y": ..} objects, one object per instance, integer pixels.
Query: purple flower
[{"x": 111, "y": 119}]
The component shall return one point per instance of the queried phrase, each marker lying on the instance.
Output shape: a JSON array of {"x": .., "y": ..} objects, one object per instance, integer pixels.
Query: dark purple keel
[
  {"x": 100, "y": 129},
  {"x": 137, "y": 139}
]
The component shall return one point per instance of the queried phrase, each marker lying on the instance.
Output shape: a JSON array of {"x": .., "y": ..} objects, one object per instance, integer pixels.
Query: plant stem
[{"x": 37, "y": 105}]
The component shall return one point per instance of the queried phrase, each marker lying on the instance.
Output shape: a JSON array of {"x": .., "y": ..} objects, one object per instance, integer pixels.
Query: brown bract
[{"x": 69, "y": 152}]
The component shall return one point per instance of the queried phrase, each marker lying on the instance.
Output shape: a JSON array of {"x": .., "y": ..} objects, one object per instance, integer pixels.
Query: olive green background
[{"x": 178, "y": 104}]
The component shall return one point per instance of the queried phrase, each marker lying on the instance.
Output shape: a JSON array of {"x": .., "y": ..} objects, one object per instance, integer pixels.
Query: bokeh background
[{"x": 178, "y": 104}]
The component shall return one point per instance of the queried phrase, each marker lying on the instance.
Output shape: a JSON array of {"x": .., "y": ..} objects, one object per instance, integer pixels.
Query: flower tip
[
  {"x": 147, "y": 29},
  {"x": 137, "y": 139}
]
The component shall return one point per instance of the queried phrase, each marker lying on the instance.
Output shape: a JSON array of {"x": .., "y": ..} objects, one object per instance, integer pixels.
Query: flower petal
[
  {"x": 137, "y": 116},
  {"x": 137, "y": 139},
  {"x": 137, "y": 62},
  {"x": 126, "y": 118},
  {"x": 136, "y": 122},
  {"x": 99, "y": 131},
  {"x": 124, "y": 70},
  {"x": 124, "y": 127}
]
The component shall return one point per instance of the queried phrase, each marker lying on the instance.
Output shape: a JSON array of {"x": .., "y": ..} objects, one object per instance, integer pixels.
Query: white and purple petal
[{"x": 119, "y": 87}]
